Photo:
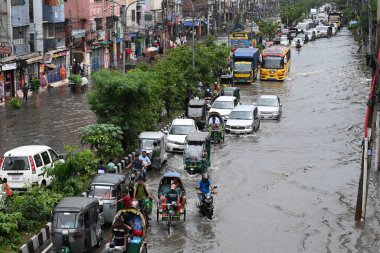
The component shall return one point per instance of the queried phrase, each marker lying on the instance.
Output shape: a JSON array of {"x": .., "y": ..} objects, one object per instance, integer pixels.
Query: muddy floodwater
[{"x": 290, "y": 187}]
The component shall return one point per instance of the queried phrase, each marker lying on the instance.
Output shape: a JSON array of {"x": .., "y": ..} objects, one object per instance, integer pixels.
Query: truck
[
  {"x": 335, "y": 17},
  {"x": 246, "y": 64}
]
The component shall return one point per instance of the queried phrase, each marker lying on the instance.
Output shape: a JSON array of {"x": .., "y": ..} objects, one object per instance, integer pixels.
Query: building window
[
  {"x": 138, "y": 18},
  {"x": 50, "y": 31},
  {"x": 18, "y": 36},
  {"x": 31, "y": 43},
  {"x": 59, "y": 31},
  {"x": 133, "y": 15},
  {"x": 97, "y": 1},
  {"x": 17, "y": 2},
  {"x": 98, "y": 24},
  {"x": 31, "y": 12}
]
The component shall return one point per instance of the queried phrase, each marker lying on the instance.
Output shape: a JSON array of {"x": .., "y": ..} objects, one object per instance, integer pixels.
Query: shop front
[
  {"x": 33, "y": 67},
  {"x": 58, "y": 58},
  {"x": 8, "y": 73},
  {"x": 97, "y": 57}
]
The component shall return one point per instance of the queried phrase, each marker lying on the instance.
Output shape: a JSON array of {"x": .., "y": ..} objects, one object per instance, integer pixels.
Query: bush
[
  {"x": 9, "y": 236},
  {"x": 76, "y": 79},
  {"x": 14, "y": 103},
  {"x": 35, "y": 87},
  {"x": 36, "y": 206},
  {"x": 73, "y": 176}
]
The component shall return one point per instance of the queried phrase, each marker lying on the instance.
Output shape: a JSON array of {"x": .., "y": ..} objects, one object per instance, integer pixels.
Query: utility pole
[
  {"x": 125, "y": 33},
  {"x": 193, "y": 35},
  {"x": 114, "y": 36},
  {"x": 378, "y": 27}
]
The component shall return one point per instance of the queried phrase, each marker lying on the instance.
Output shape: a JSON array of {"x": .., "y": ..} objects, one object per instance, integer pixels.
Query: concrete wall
[
  {"x": 36, "y": 27},
  {"x": 5, "y": 23},
  {"x": 54, "y": 14},
  {"x": 20, "y": 15}
]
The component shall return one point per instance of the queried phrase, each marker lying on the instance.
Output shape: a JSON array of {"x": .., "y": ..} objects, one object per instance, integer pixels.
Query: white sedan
[{"x": 269, "y": 107}]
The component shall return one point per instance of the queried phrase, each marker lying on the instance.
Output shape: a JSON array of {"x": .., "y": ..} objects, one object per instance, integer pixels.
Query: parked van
[
  {"x": 243, "y": 119},
  {"x": 24, "y": 166}
]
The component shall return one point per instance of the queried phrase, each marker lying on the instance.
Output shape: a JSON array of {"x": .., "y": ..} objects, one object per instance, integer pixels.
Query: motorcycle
[
  {"x": 206, "y": 208},
  {"x": 134, "y": 174}
]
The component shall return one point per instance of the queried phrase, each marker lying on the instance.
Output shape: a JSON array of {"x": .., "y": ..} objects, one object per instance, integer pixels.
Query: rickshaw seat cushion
[{"x": 137, "y": 233}]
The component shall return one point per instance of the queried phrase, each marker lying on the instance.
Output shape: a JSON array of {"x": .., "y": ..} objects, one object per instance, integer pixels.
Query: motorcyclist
[
  {"x": 204, "y": 187},
  {"x": 208, "y": 94},
  {"x": 141, "y": 193},
  {"x": 298, "y": 45},
  {"x": 137, "y": 164}
]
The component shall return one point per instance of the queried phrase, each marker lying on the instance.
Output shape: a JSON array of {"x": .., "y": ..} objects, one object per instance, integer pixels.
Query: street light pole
[
  {"x": 125, "y": 33},
  {"x": 193, "y": 36}
]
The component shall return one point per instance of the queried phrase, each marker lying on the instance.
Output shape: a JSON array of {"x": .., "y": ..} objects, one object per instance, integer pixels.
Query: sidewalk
[{"x": 56, "y": 84}]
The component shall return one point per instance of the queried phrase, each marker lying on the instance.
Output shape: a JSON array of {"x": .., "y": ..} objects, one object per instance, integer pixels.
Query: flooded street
[{"x": 290, "y": 187}]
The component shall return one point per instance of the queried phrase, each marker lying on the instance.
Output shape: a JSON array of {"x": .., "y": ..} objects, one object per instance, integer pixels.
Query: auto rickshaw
[
  {"x": 196, "y": 156},
  {"x": 169, "y": 212},
  {"x": 231, "y": 91},
  {"x": 226, "y": 80},
  {"x": 196, "y": 110},
  {"x": 146, "y": 140},
  {"x": 108, "y": 188},
  {"x": 217, "y": 131},
  {"x": 79, "y": 218},
  {"x": 137, "y": 239}
]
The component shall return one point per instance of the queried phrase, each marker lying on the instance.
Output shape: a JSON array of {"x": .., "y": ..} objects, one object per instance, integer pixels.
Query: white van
[{"x": 24, "y": 166}]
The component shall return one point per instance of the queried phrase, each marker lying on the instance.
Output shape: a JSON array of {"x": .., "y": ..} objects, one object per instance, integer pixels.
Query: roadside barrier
[{"x": 37, "y": 241}]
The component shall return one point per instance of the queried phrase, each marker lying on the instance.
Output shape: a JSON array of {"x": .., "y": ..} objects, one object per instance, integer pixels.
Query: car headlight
[
  {"x": 275, "y": 113},
  {"x": 248, "y": 127}
]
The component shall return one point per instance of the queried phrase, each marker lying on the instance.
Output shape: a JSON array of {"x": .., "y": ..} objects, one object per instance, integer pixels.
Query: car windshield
[
  {"x": 240, "y": 67},
  {"x": 102, "y": 192},
  {"x": 245, "y": 115},
  {"x": 195, "y": 111},
  {"x": 16, "y": 163},
  {"x": 272, "y": 62},
  {"x": 193, "y": 152},
  {"x": 267, "y": 102},
  {"x": 66, "y": 220},
  {"x": 146, "y": 143},
  {"x": 223, "y": 104},
  {"x": 182, "y": 129}
]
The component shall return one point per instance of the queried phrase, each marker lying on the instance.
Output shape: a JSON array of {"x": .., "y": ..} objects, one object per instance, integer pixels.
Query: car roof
[
  {"x": 225, "y": 98},
  {"x": 108, "y": 179},
  {"x": 269, "y": 96},
  {"x": 183, "y": 122},
  {"x": 74, "y": 204},
  {"x": 26, "y": 150},
  {"x": 244, "y": 108},
  {"x": 151, "y": 135},
  {"x": 198, "y": 136}
]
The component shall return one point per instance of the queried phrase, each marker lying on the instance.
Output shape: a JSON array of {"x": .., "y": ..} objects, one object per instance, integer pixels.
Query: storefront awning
[
  {"x": 34, "y": 59},
  {"x": 51, "y": 65}
]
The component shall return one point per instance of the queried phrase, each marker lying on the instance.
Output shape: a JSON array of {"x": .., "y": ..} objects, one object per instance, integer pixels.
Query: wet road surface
[{"x": 290, "y": 187}]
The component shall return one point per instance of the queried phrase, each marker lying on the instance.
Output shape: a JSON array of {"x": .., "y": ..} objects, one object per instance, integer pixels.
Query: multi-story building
[
  {"x": 55, "y": 51},
  {"x": 93, "y": 33}
]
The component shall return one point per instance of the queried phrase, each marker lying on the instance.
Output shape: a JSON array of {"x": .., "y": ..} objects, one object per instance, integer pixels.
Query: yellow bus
[
  {"x": 242, "y": 39},
  {"x": 275, "y": 63}
]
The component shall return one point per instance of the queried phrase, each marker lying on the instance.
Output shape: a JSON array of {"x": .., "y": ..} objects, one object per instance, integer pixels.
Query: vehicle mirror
[
  {"x": 61, "y": 156},
  {"x": 285, "y": 59},
  {"x": 280, "y": 104},
  {"x": 84, "y": 194}
]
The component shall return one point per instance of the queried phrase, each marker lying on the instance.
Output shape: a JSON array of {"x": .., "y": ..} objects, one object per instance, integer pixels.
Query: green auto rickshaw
[{"x": 197, "y": 152}]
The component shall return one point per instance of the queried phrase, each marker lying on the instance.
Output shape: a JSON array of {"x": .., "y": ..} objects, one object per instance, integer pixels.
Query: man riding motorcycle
[{"x": 204, "y": 187}]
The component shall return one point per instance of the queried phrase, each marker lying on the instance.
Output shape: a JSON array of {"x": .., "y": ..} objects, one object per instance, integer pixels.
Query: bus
[
  {"x": 335, "y": 17},
  {"x": 242, "y": 39},
  {"x": 275, "y": 63}
]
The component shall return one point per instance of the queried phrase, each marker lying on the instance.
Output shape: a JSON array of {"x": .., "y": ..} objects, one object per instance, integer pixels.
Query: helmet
[
  {"x": 155, "y": 143},
  {"x": 208, "y": 90},
  {"x": 204, "y": 176}
]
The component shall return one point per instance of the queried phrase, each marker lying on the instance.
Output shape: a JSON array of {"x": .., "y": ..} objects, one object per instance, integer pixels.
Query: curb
[{"x": 36, "y": 242}]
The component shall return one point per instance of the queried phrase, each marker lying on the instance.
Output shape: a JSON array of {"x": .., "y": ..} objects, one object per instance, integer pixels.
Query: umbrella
[{"x": 152, "y": 49}]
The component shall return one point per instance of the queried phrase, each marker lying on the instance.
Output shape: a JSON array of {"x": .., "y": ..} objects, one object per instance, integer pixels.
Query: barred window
[{"x": 19, "y": 35}]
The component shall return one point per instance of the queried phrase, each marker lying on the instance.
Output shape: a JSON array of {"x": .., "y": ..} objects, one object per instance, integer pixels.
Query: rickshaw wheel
[
  {"x": 184, "y": 215},
  {"x": 145, "y": 249},
  {"x": 158, "y": 215}
]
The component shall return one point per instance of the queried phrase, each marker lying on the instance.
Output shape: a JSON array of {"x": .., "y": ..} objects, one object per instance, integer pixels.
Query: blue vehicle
[{"x": 246, "y": 64}]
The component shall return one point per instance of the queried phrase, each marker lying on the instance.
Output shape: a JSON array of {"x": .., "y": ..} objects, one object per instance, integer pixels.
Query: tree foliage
[
  {"x": 267, "y": 29},
  {"x": 105, "y": 139},
  {"x": 130, "y": 101},
  {"x": 73, "y": 176},
  {"x": 9, "y": 227}
]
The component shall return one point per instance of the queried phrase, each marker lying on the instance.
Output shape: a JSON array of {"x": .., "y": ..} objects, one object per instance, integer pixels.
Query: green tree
[
  {"x": 130, "y": 101},
  {"x": 9, "y": 227},
  {"x": 267, "y": 29},
  {"x": 73, "y": 176},
  {"x": 105, "y": 139}
]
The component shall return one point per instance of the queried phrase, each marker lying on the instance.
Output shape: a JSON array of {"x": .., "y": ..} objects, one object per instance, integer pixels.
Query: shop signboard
[
  {"x": 5, "y": 50},
  {"x": 56, "y": 55},
  {"x": 9, "y": 66}
]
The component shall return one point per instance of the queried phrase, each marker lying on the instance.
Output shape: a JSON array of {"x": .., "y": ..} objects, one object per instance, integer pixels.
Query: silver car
[
  {"x": 244, "y": 119},
  {"x": 269, "y": 107}
]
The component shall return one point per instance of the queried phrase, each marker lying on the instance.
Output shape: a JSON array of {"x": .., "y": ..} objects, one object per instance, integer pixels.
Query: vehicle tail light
[
  {"x": 1, "y": 161},
  {"x": 32, "y": 165}
]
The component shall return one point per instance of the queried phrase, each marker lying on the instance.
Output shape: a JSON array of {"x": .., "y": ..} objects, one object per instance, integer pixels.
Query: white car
[
  {"x": 269, "y": 107},
  {"x": 244, "y": 119},
  {"x": 176, "y": 135},
  {"x": 24, "y": 166},
  {"x": 284, "y": 41},
  {"x": 317, "y": 32},
  {"x": 224, "y": 105}
]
